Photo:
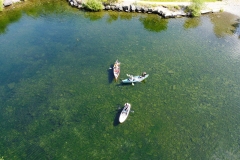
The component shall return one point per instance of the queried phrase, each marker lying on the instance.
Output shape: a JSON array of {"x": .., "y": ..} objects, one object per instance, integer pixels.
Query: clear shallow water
[{"x": 59, "y": 99}]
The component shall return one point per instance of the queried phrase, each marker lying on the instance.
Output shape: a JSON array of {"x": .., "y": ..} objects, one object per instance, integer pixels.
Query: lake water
[{"x": 59, "y": 99}]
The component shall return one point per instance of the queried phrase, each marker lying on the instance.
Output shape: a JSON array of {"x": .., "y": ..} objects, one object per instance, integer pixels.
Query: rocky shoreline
[{"x": 164, "y": 9}]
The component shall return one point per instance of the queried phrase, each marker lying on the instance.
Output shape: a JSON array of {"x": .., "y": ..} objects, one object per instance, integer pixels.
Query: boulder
[
  {"x": 155, "y": 10},
  {"x": 117, "y": 7},
  {"x": 112, "y": 7},
  {"x": 125, "y": 8},
  {"x": 132, "y": 8},
  {"x": 107, "y": 7},
  {"x": 138, "y": 9},
  {"x": 7, "y": 3},
  {"x": 120, "y": 8},
  {"x": 79, "y": 1},
  {"x": 164, "y": 12},
  {"x": 142, "y": 9},
  {"x": 71, "y": 3},
  {"x": 80, "y": 6},
  {"x": 75, "y": 3},
  {"x": 174, "y": 14},
  {"x": 145, "y": 10},
  {"x": 150, "y": 10}
]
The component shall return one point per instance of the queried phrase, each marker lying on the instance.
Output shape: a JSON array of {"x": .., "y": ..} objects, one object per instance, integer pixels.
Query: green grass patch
[
  {"x": 1, "y": 5},
  {"x": 93, "y": 5}
]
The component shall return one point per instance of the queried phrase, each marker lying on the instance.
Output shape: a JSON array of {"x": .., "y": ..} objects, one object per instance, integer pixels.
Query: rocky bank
[{"x": 164, "y": 9}]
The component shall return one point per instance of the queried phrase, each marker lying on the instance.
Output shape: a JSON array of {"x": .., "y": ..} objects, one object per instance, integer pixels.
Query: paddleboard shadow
[
  {"x": 116, "y": 119},
  {"x": 110, "y": 74}
]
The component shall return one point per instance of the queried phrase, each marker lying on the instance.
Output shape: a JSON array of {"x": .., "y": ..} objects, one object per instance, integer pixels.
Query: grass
[{"x": 1, "y": 5}]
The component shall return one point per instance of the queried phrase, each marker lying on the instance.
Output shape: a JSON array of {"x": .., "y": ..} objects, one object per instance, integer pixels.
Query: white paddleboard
[{"x": 124, "y": 114}]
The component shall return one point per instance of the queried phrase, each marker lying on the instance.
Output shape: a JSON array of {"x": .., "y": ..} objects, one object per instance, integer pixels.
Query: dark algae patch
[{"x": 59, "y": 99}]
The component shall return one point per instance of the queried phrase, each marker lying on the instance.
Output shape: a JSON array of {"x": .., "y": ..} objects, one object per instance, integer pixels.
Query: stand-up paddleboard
[
  {"x": 124, "y": 114},
  {"x": 116, "y": 69},
  {"x": 133, "y": 79}
]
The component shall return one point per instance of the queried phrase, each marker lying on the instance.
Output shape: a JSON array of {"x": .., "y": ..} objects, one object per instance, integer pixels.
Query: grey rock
[
  {"x": 117, "y": 6},
  {"x": 120, "y": 8},
  {"x": 107, "y": 7},
  {"x": 80, "y": 6},
  {"x": 113, "y": 7},
  {"x": 7, "y": 3},
  {"x": 75, "y": 3},
  {"x": 132, "y": 8},
  {"x": 138, "y": 9},
  {"x": 150, "y": 10},
  {"x": 145, "y": 10},
  {"x": 125, "y": 8}
]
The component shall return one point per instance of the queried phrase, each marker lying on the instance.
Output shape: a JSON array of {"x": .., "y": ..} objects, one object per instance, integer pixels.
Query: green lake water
[{"x": 58, "y": 99}]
